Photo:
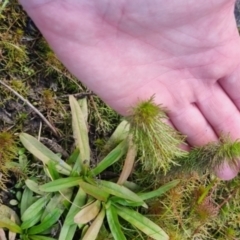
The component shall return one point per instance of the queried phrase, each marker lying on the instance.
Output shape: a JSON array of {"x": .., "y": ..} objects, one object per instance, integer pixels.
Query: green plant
[
  {"x": 95, "y": 200},
  {"x": 157, "y": 142}
]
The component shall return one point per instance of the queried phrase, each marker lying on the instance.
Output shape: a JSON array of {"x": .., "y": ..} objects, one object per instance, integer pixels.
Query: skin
[{"x": 185, "y": 52}]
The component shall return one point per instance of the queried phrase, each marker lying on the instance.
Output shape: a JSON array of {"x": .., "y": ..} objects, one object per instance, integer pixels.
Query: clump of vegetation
[
  {"x": 96, "y": 200},
  {"x": 157, "y": 142},
  {"x": 188, "y": 201},
  {"x": 212, "y": 156}
]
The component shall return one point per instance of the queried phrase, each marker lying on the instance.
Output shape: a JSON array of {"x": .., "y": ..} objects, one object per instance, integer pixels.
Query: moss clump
[
  {"x": 158, "y": 143},
  {"x": 8, "y": 151},
  {"x": 211, "y": 156}
]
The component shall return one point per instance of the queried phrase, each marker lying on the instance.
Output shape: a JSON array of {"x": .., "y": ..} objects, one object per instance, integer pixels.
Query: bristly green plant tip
[
  {"x": 158, "y": 143},
  {"x": 212, "y": 155}
]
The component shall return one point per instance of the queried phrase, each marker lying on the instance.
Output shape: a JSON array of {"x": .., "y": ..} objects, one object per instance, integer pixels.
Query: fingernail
[{"x": 226, "y": 172}]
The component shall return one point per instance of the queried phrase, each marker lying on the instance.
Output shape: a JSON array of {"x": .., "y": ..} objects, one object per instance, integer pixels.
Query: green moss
[{"x": 158, "y": 143}]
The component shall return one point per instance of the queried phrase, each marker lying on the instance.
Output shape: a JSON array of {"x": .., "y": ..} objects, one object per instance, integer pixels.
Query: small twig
[
  {"x": 76, "y": 95},
  {"x": 31, "y": 106}
]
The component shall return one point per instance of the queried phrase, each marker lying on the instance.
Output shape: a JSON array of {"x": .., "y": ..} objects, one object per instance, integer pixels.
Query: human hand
[{"x": 187, "y": 53}]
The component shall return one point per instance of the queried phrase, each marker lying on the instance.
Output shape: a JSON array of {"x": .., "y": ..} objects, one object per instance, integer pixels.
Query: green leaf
[
  {"x": 120, "y": 134},
  {"x": 60, "y": 184},
  {"x": 121, "y": 191},
  {"x": 39, "y": 237},
  {"x": 116, "y": 154},
  {"x": 160, "y": 191},
  {"x": 33, "y": 186},
  {"x": 10, "y": 225},
  {"x": 125, "y": 202},
  {"x": 47, "y": 223},
  {"x": 67, "y": 232},
  {"x": 80, "y": 130},
  {"x": 142, "y": 223},
  {"x": 96, "y": 192},
  {"x": 27, "y": 200},
  {"x": 94, "y": 229},
  {"x": 57, "y": 201},
  {"x": 114, "y": 224},
  {"x": 43, "y": 153},
  {"x": 52, "y": 170},
  {"x": 77, "y": 204},
  {"x": 73, "y": 157},
  {"x": 35, "y": 208},
  {"x": 75, "y": 160},
  {"x": 32, "y": 221}
]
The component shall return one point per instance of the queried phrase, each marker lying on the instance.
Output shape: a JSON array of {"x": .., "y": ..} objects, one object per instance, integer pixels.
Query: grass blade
[
  {"x": 142, "y": 223},
  {"x": 160, "y": 191}
]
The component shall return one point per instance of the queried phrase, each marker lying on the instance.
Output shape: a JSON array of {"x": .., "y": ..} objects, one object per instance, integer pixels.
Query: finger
[
  {"x": 231, "y": 85},
  {"x": 191, "y": 122},
  {"x": 225, "y": 172},
  {"x": 224, "y": 117},
  {"x": 220, "y": 112}
]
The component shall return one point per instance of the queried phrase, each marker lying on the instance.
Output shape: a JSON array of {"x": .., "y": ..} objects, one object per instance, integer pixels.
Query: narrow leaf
[
  {"x": 67, "y": 232},
  {"x": 48, "y": 222},
  {"x": 33, "y": 186},
  {"x": 27, "y": 200},
  {"x": 35, "y": 208},
  {"x": 88, "y": 213},
  {"x": 116, "y": 154},
  {"x": 52, "y": 170},
  {"x": 77, "y": 204},
  {"x": 60, "y": 184},
  {"x": 43, "y": 153},
  {"x": 94, "y": 229},
  {"x": 120, "y": 134},
  {"x": 96, "y": 192},
  {"x": 57, "y": 201},
  {"x": 114, "y": 224},
  {"x": 121, "y": 191},
  {"x": 80, "y": 130},
  {"x": 32, "y": 221},
  {"x": 142, "y": 223},
  {"x": 160, "y": 191}
]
